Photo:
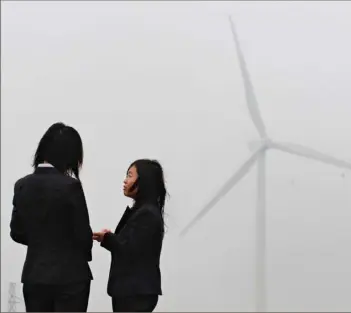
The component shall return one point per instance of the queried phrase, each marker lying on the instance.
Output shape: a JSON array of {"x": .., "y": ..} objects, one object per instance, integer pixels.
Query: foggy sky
[{"x": 161, "y": 80}]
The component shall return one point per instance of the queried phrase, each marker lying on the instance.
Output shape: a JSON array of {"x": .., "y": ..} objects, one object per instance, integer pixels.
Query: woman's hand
[{"x": 99, "y": 236}]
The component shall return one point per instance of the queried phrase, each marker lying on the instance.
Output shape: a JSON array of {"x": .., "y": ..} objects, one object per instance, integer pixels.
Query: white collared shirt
[{"x": 45, "y": 165}]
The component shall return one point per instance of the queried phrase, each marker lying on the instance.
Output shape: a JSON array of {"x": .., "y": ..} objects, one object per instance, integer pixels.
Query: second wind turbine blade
[
  {"x": 251, "y": 100},
  {"x": 230, "y": 183},
  {"x": 311, "y": 154}
]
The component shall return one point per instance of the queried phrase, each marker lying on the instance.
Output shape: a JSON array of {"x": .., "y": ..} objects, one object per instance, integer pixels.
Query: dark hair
[
  {"x": 62, "y": 147},
  {"x": 150, "y": 183}
]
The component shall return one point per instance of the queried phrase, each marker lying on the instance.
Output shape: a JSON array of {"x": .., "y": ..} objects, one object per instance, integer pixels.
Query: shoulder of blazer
[
  {"x": 62, "y": 182},
  {"x": 67, "y": 179},
  {"x": 71, "y": 181},
  {"x": 19, "y": 183},
  {"x": 146, "y": 209},
  {"x": 145, "y": 216}
]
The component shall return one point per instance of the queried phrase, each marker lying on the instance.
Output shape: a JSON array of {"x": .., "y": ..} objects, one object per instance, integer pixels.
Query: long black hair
[
  {"x": 150, "y": 183},
  {"x": 61, "y": 146}
]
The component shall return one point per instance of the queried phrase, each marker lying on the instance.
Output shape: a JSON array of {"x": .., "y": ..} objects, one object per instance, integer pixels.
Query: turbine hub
[{"x": 256, "y": 144}]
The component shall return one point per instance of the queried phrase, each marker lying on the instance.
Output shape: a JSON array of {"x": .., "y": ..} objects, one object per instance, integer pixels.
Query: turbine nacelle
[{"x": 260, "y": 144}]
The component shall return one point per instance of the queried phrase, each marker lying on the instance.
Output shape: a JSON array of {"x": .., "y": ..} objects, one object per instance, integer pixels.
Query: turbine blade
[
  {"x": 232, "y": 181},
  {"x": 251, "y": 100},
  {"x": 310, "y": 153}
]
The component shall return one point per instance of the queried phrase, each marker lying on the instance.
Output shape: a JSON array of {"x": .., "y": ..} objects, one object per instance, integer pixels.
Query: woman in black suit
[
  {"x": 50, "y": 217},
  {"x": 135, "y": 279}
]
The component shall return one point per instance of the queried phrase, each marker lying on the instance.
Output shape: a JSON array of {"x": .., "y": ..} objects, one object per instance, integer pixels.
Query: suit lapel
[{"x": 123, "y": 220}]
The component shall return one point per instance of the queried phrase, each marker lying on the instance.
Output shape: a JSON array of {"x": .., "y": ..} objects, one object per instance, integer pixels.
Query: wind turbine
[{"x": 259, "y": 156}]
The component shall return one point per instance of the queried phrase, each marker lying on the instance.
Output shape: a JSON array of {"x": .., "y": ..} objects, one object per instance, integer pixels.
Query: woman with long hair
[
  {"x": 135, "y": 278},
  {"x": 51, "y": 218}
]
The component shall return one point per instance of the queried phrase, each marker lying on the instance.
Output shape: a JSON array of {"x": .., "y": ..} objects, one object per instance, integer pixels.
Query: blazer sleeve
[
  {"x": 138, "y": 231},
  {"x": 82, "y": 231},
  {"x": 18, "y": 231}
]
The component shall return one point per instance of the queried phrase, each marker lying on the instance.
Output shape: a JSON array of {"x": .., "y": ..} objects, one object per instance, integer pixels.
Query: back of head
[{"x": 62, "y": 147}]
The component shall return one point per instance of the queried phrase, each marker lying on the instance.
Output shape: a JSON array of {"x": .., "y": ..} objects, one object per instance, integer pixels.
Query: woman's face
[{"x": 129, "y": 181}]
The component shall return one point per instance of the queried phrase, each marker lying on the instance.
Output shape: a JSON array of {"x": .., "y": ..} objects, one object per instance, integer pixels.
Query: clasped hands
[{"x": 99, "y": 236}]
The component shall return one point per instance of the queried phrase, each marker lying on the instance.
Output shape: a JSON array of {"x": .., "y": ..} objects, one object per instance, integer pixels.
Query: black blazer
[
  {"x": 50, "y": 217},
  {"x": 135, "y": 250}
]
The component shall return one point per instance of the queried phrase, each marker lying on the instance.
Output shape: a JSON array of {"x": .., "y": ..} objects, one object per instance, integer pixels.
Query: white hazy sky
[{"x": 161, "y": 80}]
